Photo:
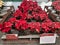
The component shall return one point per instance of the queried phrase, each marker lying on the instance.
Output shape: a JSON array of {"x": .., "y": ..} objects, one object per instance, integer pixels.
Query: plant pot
[
  {"x": 27, "y": 32},
  {"x": 34, "y": 32},
  {"x": 21, "y": 32}
]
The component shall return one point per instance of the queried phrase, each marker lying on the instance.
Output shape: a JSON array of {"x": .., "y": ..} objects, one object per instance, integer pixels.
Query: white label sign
[{"x": 47, "y": 39}]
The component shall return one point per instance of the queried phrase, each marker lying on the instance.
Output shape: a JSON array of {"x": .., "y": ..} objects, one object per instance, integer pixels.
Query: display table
[
  {"x": 27, "y": 39},
  {"x": 23, "y": 40},
  {"x": 5, "y": 12}
]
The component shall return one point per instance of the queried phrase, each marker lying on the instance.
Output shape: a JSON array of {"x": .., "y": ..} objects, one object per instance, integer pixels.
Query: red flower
[
  {"x": 37, "y": 27},
  {"x": 39, "y": 8},
  {"x": 17, "y": 13},
  {"x": 24, "y": 16},
  {"x": 31, "y": 25},
  {"x": 24, "y": 24},
  {"x": 6, "y": 29},
  {"x": 12, "y": 20},
  {"x": 17, "y": 24},
  {"x": 35, "y": 4},
  {"x": 21, "y": 24},
  {"x": 34, "y": 26},
  {"x": 56, "y": 25},
  {"x": 29, "y": 16},
  {"x": 7, "y": 24},
  {"x": 55, "y": 3},
  {"x": 48, "y": 22},
  {"x": 35, "y": 15},
  {"x": 31, "y": 8},
  {"x": 43, "y": 15},
  {"x": 57, "y": 7},
  {"x": 45, "y": 27}
]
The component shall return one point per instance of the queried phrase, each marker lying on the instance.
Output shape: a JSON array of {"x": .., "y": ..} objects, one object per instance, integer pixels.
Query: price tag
[
  {"x": 47, "y": 39},
  {"x": 11, "y": 36}
]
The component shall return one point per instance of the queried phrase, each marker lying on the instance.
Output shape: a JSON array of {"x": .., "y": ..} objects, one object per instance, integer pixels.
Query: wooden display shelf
[
  {"x": 7, "y": 12},
  {"x": 25, "y": 39},
  {"x": 53, "y": 16}
]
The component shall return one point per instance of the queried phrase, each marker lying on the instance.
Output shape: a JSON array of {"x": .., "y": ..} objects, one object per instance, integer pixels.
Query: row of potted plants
[{"x": 29, "y": 10}]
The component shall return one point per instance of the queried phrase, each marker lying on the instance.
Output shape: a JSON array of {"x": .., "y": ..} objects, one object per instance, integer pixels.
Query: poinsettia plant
[
  {"x": 47, "y": 25},
  {"x": 21, "y": 24},
  {"x": 29, "y": 10},
  {"x": 6, "y": 27},
  {"x": 34, "y": 26},
  {"x": 56, "y": 5}
]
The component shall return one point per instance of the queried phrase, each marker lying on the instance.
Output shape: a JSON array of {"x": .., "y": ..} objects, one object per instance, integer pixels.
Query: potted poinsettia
[
  {"x": 6, "y": 27},
  {"x": 34, "y": 27},
  {"x": 56, "y": 6},
  {"x": 21, "y": 25}
]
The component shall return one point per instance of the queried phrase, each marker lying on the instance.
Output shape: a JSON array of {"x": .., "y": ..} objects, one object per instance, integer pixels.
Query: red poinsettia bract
[
  {"x": 6, "y": 27},
  {"x": 56, "y": 5},
  {"x": 34, "y": 26},
  {"x": 12, "y": 20},
  {"x": 21, "y": 24}
]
